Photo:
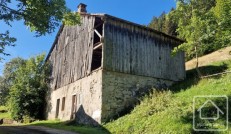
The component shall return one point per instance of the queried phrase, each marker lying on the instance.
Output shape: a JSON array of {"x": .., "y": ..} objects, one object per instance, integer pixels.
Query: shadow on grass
[
  {"x": 73, "y": 127},
  {"x": 192, "y": 76},
  {"x": 209, "y": 111},
  {"x": 77, "y": 125}
]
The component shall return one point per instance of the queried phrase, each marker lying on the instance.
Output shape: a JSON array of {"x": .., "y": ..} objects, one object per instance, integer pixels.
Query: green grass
[
  {"x": 5, "y": 115},
  {"x": 74, "y": 128},
  {"x": 172, "y": 111}
]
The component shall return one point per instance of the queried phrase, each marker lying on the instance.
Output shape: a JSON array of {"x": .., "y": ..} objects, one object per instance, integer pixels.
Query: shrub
[{"x": 27, "y": 94}]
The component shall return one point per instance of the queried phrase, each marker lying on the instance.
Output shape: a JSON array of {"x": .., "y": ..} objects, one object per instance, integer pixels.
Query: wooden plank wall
[
  {"x": 72, "y": 55},
  {"x": 135, "y": 50}
]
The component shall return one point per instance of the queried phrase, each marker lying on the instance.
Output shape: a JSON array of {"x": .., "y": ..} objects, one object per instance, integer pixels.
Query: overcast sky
[{"x": 138, "y": 11}]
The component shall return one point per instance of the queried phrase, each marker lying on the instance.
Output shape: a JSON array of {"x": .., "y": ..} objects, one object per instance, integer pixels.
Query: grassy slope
[
  {"x": 172, "y": 111},
  {"x": 169, "y": 111},
  {"x": 217, "y": 56}
]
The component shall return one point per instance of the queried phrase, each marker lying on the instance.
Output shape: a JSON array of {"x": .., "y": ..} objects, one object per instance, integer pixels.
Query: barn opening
[{"x": 97, "y": 44}]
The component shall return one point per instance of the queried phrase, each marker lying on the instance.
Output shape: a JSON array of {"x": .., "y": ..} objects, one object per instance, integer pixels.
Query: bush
[{"x": 27, "y": 94}]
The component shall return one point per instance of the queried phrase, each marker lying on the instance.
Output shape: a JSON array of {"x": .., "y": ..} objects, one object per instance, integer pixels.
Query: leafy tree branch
[{"x": 41, "y": 16}]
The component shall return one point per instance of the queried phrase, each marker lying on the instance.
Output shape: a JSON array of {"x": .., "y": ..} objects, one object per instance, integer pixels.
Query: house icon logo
[
  {"x": 218, "y": 111},
  {"x": 208, "y": 115}
]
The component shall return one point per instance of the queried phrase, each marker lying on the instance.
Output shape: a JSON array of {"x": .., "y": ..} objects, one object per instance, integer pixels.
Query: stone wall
[
  {"x": 121, "y": 92},
  {"x": 102, "y": 96},
  {"x": 89, "y": 96}
]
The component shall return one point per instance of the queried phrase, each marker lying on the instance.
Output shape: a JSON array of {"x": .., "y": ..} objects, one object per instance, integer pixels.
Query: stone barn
[{"x": 101, "y": 66}]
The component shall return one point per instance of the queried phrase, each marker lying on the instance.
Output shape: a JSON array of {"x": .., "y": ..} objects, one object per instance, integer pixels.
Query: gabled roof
[{"x": 118, "y": 19}]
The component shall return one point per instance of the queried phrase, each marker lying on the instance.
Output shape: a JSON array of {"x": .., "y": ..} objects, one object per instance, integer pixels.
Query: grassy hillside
[
  {"x": 168, "y": 111},
  {"x": 217, "y": 56},
  {"x": 171, "y": 111}
]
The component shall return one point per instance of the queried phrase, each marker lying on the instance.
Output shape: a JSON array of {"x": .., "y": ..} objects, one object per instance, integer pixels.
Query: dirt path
[
  {"x": 31, "y": 130},
  {"x": 220, "y": 55}
]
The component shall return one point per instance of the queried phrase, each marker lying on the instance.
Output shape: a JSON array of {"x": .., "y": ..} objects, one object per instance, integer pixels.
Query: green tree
[
  {"x": 8, "y": 77},
  {"x": 166, "y": 23},
  {"x": 195, "y": 25},
  {"x": 171, "y": 23},
  {"x": 161, "y": 22},
  {"x": 222, "y": 12},
  {"x": 205, "y": 25},
  {"x": 5, "y": 40},
  {"x": 154, "y": 23},
  {"x": 41, "y": 16},
  {"x": 158, "y": 23},
  {"x": 2, "y": 93},
  {"x": 27, "y": 94}
]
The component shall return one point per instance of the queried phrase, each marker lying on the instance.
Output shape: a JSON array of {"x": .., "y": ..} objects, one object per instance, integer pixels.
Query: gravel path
[{"x": 31, "y": 130}]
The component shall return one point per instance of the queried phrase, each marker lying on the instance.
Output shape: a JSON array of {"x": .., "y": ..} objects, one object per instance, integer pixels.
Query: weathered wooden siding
[
  {"x": 136, "y": 50},
  {"x": 72, "y": 53}
]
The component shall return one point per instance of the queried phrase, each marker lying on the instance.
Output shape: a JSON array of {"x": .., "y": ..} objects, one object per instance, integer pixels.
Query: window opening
[
  {"x": 97, "y": 44},
  {"x": 63, "y": 103},
  {"x": 57, "y": 108}
]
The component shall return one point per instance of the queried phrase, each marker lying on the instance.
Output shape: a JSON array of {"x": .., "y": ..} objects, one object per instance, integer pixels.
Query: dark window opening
[
  {"x": 63, "y": 103},
  {"x": 96, "y": 59},
  {"x": 97, "y": 44},
  {"x": 57, "y": 108}
]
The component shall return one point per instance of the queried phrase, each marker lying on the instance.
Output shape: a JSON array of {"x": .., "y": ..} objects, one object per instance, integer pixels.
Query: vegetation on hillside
[
  {"x": 171, "y": 111},
  {"x": 166, "y": 111},
  {"x": 204, "y": 24}
]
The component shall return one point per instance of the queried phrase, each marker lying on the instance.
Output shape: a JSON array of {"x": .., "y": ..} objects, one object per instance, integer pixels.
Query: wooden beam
[
  {"x": 100, "y": 36},
  {"x": 216, "y": 74},
  {"x": 98, "y": 46}
]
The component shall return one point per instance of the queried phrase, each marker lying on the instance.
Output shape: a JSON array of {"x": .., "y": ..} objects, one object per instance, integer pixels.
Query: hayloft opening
[{"x": 97, "y": 44}]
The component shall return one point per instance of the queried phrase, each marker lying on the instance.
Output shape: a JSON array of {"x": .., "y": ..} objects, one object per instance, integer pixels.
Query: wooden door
[{"x": 74, "y": 106}]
